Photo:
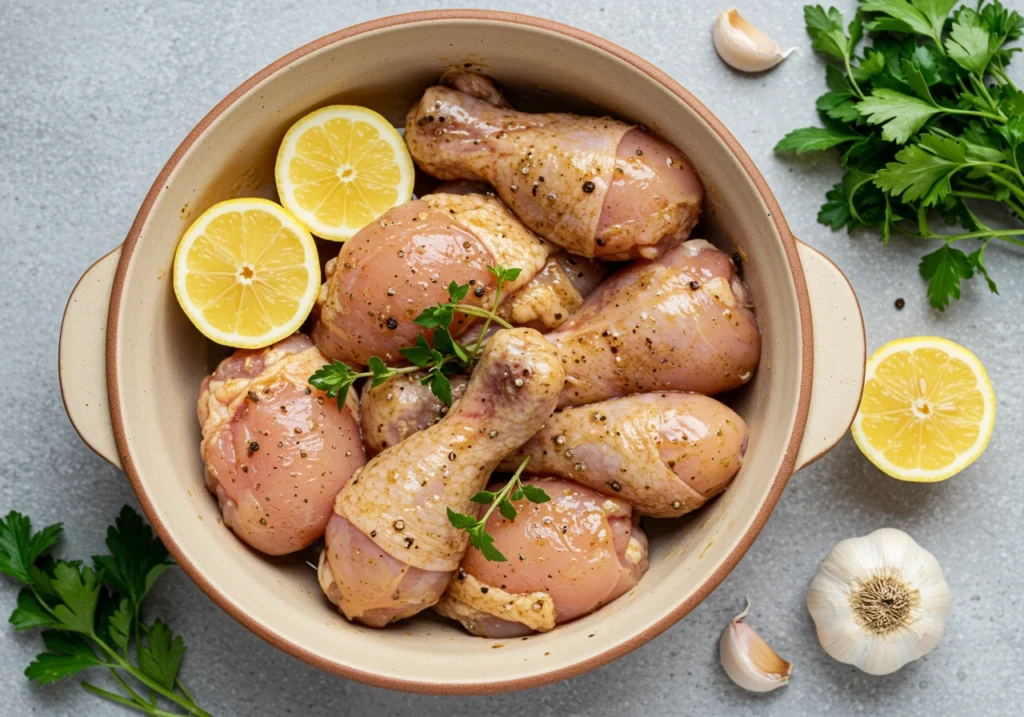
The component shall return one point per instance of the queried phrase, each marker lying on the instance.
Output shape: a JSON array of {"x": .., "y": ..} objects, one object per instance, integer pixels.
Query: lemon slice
[
  {"x": 928, "y": 409},
  {"x": 246, "y": 273},
  {"x": 341, "y": 167}
]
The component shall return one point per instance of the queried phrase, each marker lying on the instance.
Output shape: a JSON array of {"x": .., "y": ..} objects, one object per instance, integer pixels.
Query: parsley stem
[
  {"x": 114, "y": 697},
  {"x": 975, "y": 113},
  {"x": 483, "y": 314},
  {"x": 979, "y": 85},
  {"x": 184, "y": 690},
  {"x": 1006, "y": 183},
  {"x": 128, "y": 667},
  {"x": 1001, "y": 74},
  {"x": 853, "y": 80},
  {"x": 125, "y": 686}
]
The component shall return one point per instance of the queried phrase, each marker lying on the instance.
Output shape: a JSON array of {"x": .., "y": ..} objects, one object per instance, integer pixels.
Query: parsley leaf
[
  {"x": 813, "y": 139},
  {"x": 137, "y": 557},
  {"x": 943, "y": 269},
  {"x": 839, "y": 105},
  {"x": 977, "y": 259},
  {"x": 921, "y": 174},
  {"x": 161, "y": 657},
  {"x": 901, "y": 115},
  {"x": 970, "y": 44},
  {"x": 923, "y": 17},
  {"x": 68, "y": 654},
  {"x": 79, "y": 589},
  {"x": 30, "y": 613},
  {"x": 20, "y": 547},
  {"x": 826, "y": 30},
  {"x": 119, "y": 624}
]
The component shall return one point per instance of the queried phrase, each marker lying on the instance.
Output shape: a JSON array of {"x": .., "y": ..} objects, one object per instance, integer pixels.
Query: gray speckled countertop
[{"x": 96, "y": 95}]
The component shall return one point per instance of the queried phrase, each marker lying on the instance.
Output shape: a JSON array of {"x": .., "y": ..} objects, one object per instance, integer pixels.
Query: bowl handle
[
  {"x": 82, "y": 361},
  {"x": 839, "y": 355}
]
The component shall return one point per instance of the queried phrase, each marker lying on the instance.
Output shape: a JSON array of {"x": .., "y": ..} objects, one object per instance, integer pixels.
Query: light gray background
[{"x": 94, "y": 97}]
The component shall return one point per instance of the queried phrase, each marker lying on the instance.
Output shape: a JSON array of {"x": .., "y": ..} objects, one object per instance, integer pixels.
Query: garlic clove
[
  {"x": 744, "y": 46},
  {"x": 747, "y": 658}
]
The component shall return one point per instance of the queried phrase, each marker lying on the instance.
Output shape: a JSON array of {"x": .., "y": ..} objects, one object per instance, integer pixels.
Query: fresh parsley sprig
[
  {"x": 92, "y": 615},
  {"x": 928, "y": 125},
  {"x": 479, "y": 538},
  {"x": 445, "y": 357}
]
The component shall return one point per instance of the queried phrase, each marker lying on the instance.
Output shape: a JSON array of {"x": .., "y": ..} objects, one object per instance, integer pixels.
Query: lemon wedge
[
  {"x": 341, "y": 167},
  {"x": 246, "y": 273},
  {"x": 928, "y": 409}
]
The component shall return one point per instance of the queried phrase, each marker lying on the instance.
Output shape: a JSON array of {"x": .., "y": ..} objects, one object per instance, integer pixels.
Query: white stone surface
[{"x": 96, "y": 95}]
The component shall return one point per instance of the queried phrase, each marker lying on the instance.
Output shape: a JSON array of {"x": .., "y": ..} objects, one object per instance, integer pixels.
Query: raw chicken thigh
[
  {"x": 663, "y": 453},
  {"x": 566, "y": 558},
  {"x": 390, "y": 550},
  {"x": 276, "y": 453},
  {"x": 680, "y": 323},
  {"x": 401, "y": 406},
  {"x": 399, "y": 265},
  {"x": 593, "y": 185}
]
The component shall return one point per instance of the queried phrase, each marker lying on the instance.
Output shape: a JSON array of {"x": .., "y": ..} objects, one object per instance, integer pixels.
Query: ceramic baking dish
[{"x": 131, "y": 363}]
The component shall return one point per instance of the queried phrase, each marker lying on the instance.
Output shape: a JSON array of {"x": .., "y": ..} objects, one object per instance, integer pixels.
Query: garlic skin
[
  {"x": 879, "y": 601},
  {"x": 747, "y": 658},
  {"x": 744, "y": 46}
]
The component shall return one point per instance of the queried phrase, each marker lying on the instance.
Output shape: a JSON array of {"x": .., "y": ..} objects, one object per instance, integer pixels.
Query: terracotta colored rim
[{"x": 778, "y": 482}]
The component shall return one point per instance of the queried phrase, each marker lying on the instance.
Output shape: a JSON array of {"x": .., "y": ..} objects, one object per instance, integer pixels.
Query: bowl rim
[{"x": 615, "y": 651}]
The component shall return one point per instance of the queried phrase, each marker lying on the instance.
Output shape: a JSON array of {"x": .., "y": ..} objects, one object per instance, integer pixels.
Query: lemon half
[
  {"x": 246, "y": 273},
  {"x": 341, "y": 167},
  {"x": 928, "y": 409}
]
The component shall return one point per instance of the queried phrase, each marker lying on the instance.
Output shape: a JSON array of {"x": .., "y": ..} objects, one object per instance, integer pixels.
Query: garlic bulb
[
  {"x": 879, "y": 601},
  {"x": 744, "y": 46},
  {"x": 747, "y": 658}
]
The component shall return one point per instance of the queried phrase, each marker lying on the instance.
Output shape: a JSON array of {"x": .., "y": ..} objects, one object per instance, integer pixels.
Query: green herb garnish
[
  {"x": 928, "y": 125},
  {"x": 445, "y": 357},
  {"x": 479, "y": 538},
  {"x": 92, "y": 615}
]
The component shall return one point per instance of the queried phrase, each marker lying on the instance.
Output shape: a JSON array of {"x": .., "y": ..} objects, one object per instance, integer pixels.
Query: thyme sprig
[
  {"x": 445, "y": 357},
  {"x": 514, "y": 489}
]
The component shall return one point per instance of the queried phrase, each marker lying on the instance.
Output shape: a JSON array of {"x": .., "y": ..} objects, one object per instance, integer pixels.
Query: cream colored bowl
[{"x": 131, "y": 363}]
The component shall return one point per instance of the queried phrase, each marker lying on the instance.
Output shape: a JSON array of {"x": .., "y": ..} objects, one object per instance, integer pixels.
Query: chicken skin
[
  {"x": 557, "y": 290},
  {"x": 663, "y": 453},
  {"x": 391, "y": 270},
  {"x": 401, "y": 406},
  {"x": 390, "y": 549},
  {"x": 276, "y": 453},
  {"x": 566, "y": 558},
  {"x": 680, "y": 323},
  {"x": 593, "y": 185}
]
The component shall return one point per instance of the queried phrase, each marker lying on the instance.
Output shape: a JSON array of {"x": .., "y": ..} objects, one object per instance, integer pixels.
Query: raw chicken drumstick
[
  {"x": 593, "y": 185},
  {"x": 566, "y": 558},
  {"x": 663, "y": 453},
  {"x": 390, "y": 550},
  {"x": 680, "y": 323},
  {"x": 276, "y": 453},
  {"x": 401, "y": 264}
]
